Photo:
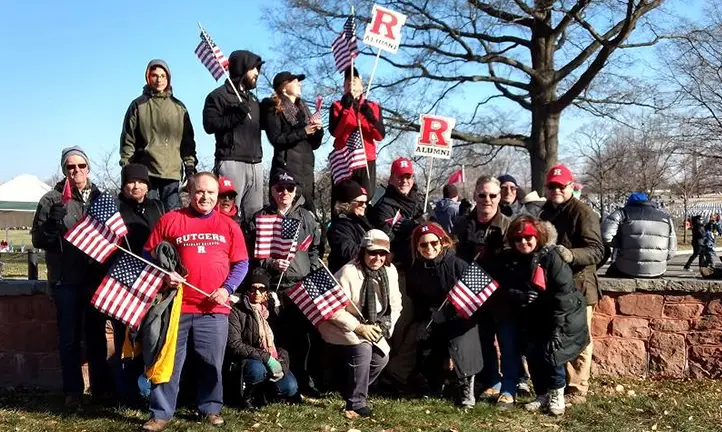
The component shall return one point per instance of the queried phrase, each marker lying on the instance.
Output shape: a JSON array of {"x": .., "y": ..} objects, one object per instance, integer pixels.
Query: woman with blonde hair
[
  {"x": 292, "y": 132},
  {"x": 449, "y": 345}
]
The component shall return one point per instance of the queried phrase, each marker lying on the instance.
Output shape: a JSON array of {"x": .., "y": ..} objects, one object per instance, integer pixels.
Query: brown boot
[
  {"x": 215, "y": 420},
  {"x": 155, "y": 425},
  {"x": 575, "y": 398}
]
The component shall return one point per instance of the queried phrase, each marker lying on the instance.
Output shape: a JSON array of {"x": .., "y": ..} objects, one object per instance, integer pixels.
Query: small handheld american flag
[
  {"x": 394, "y": 220},
  {"x": 344, "y": 47},
  {"x": 318, "y": 296},
  {"x": 276, "y": 236},
  {"x": 211, "y": 56},
  {"x": 302, "y": 247},
  {"x": 472, "y": 290},
  {"x": 128, "y": 290},
  {"x": 348, "y": 158},
  {"x": 99, "y": 230},
  {"x": 316, "y": 116}
]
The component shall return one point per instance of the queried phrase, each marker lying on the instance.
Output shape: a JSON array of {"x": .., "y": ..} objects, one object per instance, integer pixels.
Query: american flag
[
  {"x": 316, "y": 116},
  {"x": 348, "y": 158},
  {"x": 211, "y": 56},
  {"x": 472, "y": 290},
  {"x": 318, "y": 296},
  {"x": 394, "y": 220},
  {"x": 276, "y": 236},
  {"x": 128, "y": 290},
  {"x": 303, "y": 246},
  {"x": 344, "y": 47},
  {"x": 99, "y": 230}
]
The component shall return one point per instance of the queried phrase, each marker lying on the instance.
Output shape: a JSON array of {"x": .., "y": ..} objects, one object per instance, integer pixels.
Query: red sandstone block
[
  {"x": 18, "y": 308},
  {"x": 670, "y": 325},
  {"x": 43, "y": 308},
  {"x": 619, "y": 357},
  {"x": 641, "y": 305},
  {"x": 683, "y": 311},
  {"x": 637, "y": 328},
  {"x": 40, "y": 338},
  {"x": 705, "y": 338},
  {"x": 705, "y": 362},
  {"x": 606, "y": 306},
  {"x": 50, "y": 361},
  {"x": 693, "y": 298},
  {"x": 600, "y": 325},
  {"x": 715, "y": 307},
  {"x": 707, "y": 322},
  {"x": 667, "y": 355}
]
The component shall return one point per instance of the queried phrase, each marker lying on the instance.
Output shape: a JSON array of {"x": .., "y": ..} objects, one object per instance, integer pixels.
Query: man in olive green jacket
[{"x": 157, "y": 133}]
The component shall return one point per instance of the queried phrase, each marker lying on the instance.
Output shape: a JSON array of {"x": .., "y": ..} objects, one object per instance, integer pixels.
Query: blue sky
[{"x": 87, "y": 61}]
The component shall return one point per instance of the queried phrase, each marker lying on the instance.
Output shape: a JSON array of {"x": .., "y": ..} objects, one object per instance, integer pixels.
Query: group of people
[{"x": 395, "y": 263}]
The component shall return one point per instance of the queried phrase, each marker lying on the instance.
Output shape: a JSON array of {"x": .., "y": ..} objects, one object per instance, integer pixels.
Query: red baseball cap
[
  {"x": 559, "y": 174},
  {"x": 402, "y": 166},
  {"x": 225, "y": 185}
]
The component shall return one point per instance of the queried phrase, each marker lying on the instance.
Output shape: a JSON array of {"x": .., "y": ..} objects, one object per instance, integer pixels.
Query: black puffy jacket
[
  {"x": 238, "y": 135},
  {"x": 411, "y": 208},
  {"x": 345, "y": 236},
  {"x": 139, "y": 218}
]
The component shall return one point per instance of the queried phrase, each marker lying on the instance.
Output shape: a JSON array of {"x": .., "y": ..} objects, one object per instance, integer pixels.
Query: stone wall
[{"x": 666, "y": 328}]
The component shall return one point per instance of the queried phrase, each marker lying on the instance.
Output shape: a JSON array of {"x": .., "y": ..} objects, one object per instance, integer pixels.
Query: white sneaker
[
  {"x": 556, "y": 402},
  {"x": 541, "y": 403}
]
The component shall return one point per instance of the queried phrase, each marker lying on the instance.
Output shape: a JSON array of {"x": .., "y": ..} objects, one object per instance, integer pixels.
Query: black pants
[
  {"x": 305, "y": 347},
  {"x": 696, "y": 252}
]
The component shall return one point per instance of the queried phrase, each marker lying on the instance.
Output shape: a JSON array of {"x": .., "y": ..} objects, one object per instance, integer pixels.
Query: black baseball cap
[
  {"x": 284, "y": 77},
  {"x": 283, "y": 177}
]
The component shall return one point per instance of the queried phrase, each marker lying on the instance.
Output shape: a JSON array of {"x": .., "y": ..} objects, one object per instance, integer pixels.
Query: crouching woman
[
  {"x": 251, "y": 346},
  {"x": 358, "y": 334},
  {"x": 550, "y": 311}
]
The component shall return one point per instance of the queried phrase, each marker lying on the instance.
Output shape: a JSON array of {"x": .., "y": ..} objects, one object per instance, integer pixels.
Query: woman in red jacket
[{"x": 345, "y": 117}]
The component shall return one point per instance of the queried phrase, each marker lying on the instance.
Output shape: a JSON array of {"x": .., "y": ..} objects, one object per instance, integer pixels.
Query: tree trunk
[{"x": 543, "y": 146}]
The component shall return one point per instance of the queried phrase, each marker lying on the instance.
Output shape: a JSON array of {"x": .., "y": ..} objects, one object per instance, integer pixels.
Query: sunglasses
[
  {"x": 432, "y": 243},
  {"x": 257, "y": 288},
  {"x": 554, "y": 186},
  {"x": 360, "y": 203},
  {"x": 509, "y": 188},
  {"x": 525, "y": 238},
  {"x": 376, "y": 253},
  {"x": 490, "y": 196},
  {"x": 78, "y": 166},
  {"x": 229, "y": 197},
  {"x": 287, "y": 188}
]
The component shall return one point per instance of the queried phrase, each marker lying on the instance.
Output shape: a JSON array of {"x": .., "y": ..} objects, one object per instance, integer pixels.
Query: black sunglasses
[
  {"x": 228, "y": 196},
  {"x": 376, "y": 252},
  {"x": 287, "y": 188},
  {"x": 432, "y": 243},
  {"x": 527, "y": 238},
  {"x": 78, "y": 166},
  {"x": 491, "y": 196},
  {"x": 360, "y": 203}
]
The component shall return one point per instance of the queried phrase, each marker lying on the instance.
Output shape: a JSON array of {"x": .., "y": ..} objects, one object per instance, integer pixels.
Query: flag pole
[
  {"x": 166, "y": 272},
  {"x": 204, "y": 35},
  {"x": 428, "y": 183},
  {"x": 463, "y": 181},
  {"x": 373, "y": 73}
]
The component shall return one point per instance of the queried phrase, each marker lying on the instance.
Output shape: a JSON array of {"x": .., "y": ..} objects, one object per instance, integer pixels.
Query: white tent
[{"x": 19, "y": 198}]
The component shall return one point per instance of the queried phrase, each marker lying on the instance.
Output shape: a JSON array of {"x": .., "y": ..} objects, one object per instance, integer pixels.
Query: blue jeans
[
  {"x": 255, "y": 373},
  {"x": 165, "y": 190},
  {"x": 210, "y": 333},
  {"x": 544, "y": 375},
  {"x": 507, "y": 335},
  {"x": 76, "y": 319}
]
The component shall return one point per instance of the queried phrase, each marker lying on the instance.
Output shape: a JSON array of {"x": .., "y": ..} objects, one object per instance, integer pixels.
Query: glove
[
  {"x": 275, "y": 368},
  {"x": 57, "y": 212},
  {"x": 241, "y": 109},
  {"x": 366, "y": 110},
  {"x": 385, "y": 325},
  {"x": 369, "y": 332},
  {"x": 422, "y": 333},
  {"x": 555, "y": 343},
  {"x": 190, "y": 171},
  {"x": 347, "y": 100},
  {"x": 437, "y": 316},
  {"x": 566, "y": 254},
  {"x": 523, "y": 297}
]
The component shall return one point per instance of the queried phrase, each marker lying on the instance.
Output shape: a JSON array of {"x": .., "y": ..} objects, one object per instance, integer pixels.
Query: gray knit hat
[{"x": 72, "y": 151}]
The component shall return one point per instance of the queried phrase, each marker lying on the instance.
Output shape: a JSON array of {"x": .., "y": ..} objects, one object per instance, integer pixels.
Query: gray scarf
[
  {"x": 368, "y": 294},
  {"x": 294, "y": 112}
]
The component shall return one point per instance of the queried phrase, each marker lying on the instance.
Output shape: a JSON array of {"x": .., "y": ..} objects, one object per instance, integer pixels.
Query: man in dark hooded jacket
[
  {"x": 234, "y": 117},
  {"x": 157, "y": 132}
]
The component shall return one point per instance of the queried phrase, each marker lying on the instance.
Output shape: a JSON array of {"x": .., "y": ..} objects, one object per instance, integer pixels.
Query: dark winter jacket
[
  {"x": 244, "y": 337},
  {"x": 345, "y": 236},
  {"x": 578, "y": 228},
  {"x": 235, "y": 124},
  {"x": 427, "y": 284},
  {"x": 139, "y": 218},
  {"x": 411, "y": 208},
  {"x": 534, "y": 208},
  {"x": 305, "y": 261},
  {"x": 157, "y": 132},
  {"x": 643, "y": 237},
  {"x": 512, "y": 210},
  {"x": 559, "y": 304},
  {"x": 697, "y": 232},
  {"x": 486, "y": 240},
  {"x": 446, "y": 211},
  {"x": 65, "y": 262},
  {"x": 292, "y": 147}
]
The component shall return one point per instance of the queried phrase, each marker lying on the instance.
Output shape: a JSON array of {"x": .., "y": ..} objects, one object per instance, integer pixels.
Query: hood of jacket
[
  {"x": 446, "y": 203},
  {"x": 152, "y": 64},
  {"x": 241, "y": 61}
]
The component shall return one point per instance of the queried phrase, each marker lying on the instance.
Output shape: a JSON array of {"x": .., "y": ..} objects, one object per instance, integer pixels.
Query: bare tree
[{"x": 540, "y": 55}]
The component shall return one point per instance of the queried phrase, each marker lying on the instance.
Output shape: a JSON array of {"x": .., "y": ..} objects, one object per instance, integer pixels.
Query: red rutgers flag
[
  {"x": 457, "y": 177},
  {"x": 539, "y": 279}
]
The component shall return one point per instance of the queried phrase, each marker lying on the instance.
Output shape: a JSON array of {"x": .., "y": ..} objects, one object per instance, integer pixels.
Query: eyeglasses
[
  {"x": 490, "y": 196},
  {"x": 509, "y": 188},
  {"x": 525, "y": 238},
  {"x": 554, "y": 186},
  {"x": 360, "y": 203},
  {"x": 229, "y": 197},
  {"x": 287, "y": 188},
  {"x": 432, "y": 243},
  {"x": 78, "y": 166},
  {"x": 376, "y": 253},
  {"x": 257, "y": 288}
]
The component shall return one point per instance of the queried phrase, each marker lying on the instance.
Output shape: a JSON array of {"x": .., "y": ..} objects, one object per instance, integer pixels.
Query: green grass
[{"x": 655, "y": 406}]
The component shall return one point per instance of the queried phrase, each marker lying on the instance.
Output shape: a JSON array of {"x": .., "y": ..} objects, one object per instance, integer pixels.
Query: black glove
[
  {"x": 240, "y": 108},
  {"x": 523, "y": 297},
  {"x": 366, "y": 110},
  {"x": 437, "y": 315},
  {"x": 190, "y": 171},
  {"x": 57, "y": 213},
  {"x": 422, "y": 332},
  {"x": 384, "y": 323},
  {"x": 555, "y": 342},
  {"x": 347, "y": 100}
]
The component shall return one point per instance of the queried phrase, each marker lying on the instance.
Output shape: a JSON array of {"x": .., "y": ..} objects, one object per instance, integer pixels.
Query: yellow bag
[{"x": 162, "y": 369}]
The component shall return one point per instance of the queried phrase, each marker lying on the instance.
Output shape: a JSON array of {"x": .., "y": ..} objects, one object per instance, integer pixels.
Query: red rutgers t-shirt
[{"x": 207, "y": 245}]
